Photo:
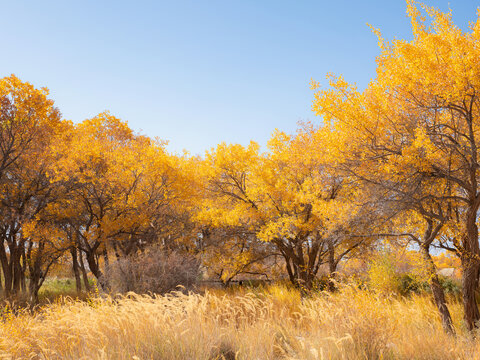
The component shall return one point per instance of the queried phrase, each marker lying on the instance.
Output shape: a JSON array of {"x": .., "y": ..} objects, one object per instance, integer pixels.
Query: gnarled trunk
[{"x": 301, "y": 264}]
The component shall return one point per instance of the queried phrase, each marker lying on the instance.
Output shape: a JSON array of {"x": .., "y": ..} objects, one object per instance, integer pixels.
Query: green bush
[
  {"x": 410, "y": 283},
  {"x": 451, "y": 286}
]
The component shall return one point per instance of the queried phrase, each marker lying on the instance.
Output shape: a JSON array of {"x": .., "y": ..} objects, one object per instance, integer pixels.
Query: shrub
[
  {"x": 153, "y": 271},
  {"x": 382, "y": 276},
  {"x": 411, "y": 283},
  {"x": 451, "y": 286},
  {"x": 408, "y": 283}
]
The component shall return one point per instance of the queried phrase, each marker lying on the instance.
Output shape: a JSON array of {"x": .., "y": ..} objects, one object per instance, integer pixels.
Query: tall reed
[{"x": 272, "y": 323}]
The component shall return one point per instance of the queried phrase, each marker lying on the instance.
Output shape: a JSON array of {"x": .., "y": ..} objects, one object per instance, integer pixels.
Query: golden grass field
[{"x": 269, "y": 323}]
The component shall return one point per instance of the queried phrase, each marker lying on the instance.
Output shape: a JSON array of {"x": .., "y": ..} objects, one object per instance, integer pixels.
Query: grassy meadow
[{"x": 273, "y": 322}]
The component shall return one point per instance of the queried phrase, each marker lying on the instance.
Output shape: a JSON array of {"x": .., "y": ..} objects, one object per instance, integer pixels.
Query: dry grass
[{"x": 274, "y": 323}]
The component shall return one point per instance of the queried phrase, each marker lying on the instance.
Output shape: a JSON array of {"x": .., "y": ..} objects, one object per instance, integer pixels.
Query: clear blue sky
[{"x": 198, "y": 72}]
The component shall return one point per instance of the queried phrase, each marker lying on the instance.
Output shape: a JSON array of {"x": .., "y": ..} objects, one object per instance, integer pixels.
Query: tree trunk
[
  {"x": 332, "y": 266},
  {"x": 94, "y": 266},
  {"x": 76, "y": 270},
  {"x": 17, "y": 268},
  {"x": 35, "y": 269},
  {"x": 34, "y": 287},
  {"x": 300, "y": 273},
  {"x": 290, "y": 273},
  {"x": 438, "y": 293},
  {"x": 470, "y": 282},
  {"x": 84, "y": 272},
  {"x": 36, "y": 281},
  {"x": 7, "y": 273},
  {"x": 470, "y": 267},
  {"x": 104, "y": 278}
]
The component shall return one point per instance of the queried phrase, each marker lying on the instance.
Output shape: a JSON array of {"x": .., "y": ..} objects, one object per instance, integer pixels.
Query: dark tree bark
[
  {"x": 301, "y": 261},
  {"x": 92, "y": 261},
  {"x": 470, "y": 266},
  {"x": 76, "y": 270},
  {"x": 438, "y": 292},
  {"x": 84, "y": 271},
  {"x": 7, "y": 273},
  {"x": 332, "y": 265}
]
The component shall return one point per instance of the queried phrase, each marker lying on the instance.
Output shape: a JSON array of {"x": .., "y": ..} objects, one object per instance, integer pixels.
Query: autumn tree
[
  {"x": 418, "y": 119},
  {"x": 284, "y": 197},
  {"x": 125, "y": 192},
  {"x": 29, "y": 123},
  {"x": 230, "y": 251}
]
